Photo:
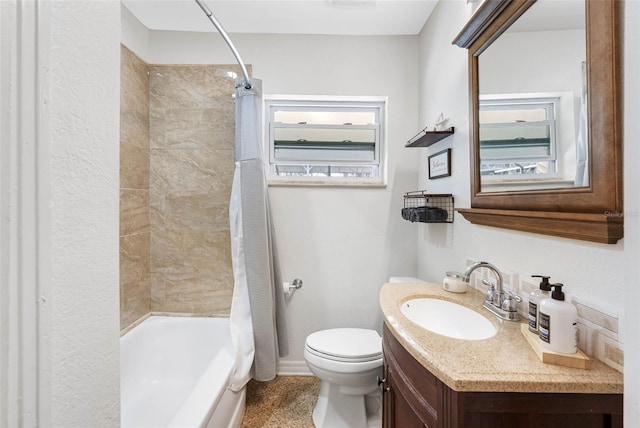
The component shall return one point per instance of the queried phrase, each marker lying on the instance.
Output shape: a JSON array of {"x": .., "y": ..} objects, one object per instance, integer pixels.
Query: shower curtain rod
[{"x": 225, "y": 36}]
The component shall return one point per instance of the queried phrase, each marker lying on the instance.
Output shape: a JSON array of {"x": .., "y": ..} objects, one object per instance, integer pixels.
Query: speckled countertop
[{"x": 502, "y": 363}]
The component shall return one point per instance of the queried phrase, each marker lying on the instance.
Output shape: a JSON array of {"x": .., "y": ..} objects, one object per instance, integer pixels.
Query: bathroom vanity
[{"x": 431, "y": 380}]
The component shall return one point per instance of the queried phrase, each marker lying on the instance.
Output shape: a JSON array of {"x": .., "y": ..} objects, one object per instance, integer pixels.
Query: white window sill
[{"x": 324, "y": 183}]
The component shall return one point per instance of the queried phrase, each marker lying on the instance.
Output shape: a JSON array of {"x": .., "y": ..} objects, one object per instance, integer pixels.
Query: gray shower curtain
[
  {"x": 258, "y": 321},
  {"x": 582, "y": 142}
]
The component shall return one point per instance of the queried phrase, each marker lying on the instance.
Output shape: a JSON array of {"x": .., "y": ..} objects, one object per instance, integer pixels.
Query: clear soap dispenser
[{"x": 534, "y": 301}]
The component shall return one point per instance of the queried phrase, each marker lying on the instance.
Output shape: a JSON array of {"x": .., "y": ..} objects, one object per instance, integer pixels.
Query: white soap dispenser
[
  {"x": 534, "y": 301},
  {"x": 557, "y": 325}
]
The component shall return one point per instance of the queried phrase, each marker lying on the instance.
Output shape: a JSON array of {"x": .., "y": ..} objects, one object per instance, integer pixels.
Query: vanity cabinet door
[
  {"x": 531, "y": 410},
  {"x": 415, "y": 396}
]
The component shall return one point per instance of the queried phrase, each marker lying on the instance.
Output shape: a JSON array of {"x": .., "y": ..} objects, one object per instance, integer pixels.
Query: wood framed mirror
[{"x": 591, "y": 210}]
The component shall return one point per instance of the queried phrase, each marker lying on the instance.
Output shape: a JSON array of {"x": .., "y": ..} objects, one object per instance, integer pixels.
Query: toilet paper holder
[{"x": 290, "y": 287}]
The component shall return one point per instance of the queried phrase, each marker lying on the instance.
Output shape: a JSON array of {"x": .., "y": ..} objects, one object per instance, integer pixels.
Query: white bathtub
[{"x": 174, "y": 372}]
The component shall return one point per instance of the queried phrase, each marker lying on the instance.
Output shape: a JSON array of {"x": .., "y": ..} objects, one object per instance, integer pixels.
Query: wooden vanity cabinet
[{"x": 414, "y": 397}]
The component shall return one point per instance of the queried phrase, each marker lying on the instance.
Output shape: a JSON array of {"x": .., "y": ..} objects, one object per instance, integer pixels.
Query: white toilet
[{"x": 347, "y": 361}]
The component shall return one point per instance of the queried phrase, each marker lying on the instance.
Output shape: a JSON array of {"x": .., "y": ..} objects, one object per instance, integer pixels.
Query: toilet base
[{"x": 334, "y": 409}]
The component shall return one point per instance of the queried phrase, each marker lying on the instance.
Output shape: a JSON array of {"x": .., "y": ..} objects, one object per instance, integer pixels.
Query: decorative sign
[{"x": 440, "y": 164}]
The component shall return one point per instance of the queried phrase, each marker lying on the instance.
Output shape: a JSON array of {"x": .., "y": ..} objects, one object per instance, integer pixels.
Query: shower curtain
[
  {"x": 258, "y": 323},
  {"x": 582, "y": 143}
]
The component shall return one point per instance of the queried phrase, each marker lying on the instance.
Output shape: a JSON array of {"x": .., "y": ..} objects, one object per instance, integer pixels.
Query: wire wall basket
[{"x": 423, "y": 207}]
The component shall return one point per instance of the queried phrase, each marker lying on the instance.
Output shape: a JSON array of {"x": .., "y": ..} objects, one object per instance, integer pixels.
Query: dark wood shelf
[
  {"x": 427, "y": 138},
  {"x": 598, "y": 227}
]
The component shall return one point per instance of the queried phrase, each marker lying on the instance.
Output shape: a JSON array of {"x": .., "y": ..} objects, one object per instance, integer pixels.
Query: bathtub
[{"x": 174, "y": 372}]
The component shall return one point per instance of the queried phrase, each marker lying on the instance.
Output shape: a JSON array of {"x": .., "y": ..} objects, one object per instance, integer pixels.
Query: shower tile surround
[
  {"x": 192, "y": 131},
  {"x": 599, "y": 332},
  {"x": 135, "y": 235},
  {"x": 177, "y": 163}
]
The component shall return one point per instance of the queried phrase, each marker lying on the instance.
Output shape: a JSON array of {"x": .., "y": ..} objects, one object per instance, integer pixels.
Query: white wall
[
  {"x": 632, "y": 213},
  {"x": 343, "y": 242},
  {"x": 602, "y": 273},
  {"x": 135, "y": 36},
  {"x": 82, "y": 202}
]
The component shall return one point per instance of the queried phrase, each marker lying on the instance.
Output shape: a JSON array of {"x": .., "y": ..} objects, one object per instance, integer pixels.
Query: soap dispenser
[
  {"x": 557, "y": 329},
  {"x": 534, "y": 301}
]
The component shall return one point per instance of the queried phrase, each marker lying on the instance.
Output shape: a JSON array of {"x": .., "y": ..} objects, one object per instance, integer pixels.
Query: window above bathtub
[{"x": 321, "y": 140}]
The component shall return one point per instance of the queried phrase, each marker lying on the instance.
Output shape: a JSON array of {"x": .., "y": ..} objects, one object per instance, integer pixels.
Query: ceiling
[{"x": 338, "y": 17}]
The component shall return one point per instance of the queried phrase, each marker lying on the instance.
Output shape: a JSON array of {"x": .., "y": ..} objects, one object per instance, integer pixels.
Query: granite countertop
[{"x": 502, "y": 363}]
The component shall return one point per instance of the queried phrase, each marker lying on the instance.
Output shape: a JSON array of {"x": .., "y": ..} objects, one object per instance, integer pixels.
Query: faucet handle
[
  {"x": 515, "y": 296},
  {"x": 491, "y": 292},
  {"x": 510, "y": 301}
]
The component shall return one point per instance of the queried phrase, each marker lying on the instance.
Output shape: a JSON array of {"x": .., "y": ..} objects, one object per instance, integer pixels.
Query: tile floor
[{"x": 285, "y": 402}]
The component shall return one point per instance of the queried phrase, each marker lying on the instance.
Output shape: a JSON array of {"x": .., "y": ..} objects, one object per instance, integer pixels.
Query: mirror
[
  {"x": 546, "y": 150},
  {"x": 532, "y": 91}
]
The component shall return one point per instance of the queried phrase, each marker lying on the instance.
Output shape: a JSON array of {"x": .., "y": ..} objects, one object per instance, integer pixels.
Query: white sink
[{"x": 448, "y": 319}]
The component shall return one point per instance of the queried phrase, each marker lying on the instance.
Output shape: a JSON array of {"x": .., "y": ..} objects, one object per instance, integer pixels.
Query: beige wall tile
[
  {"x": 199, "y": 170},
  {"x": 192, "y": 128},
  {"x": 192, "y": 295},
  {"x": 184, "y": 255},
  {"x": 134, "y": 211},
  {"x": 134, "y": 100},
  {"x": 134, "y": 166},
  {"x": 202, "y": 212},
  {"x": 135, "y": 280},
  {"x": 204, "y": 86},
  {"x": 198, "y": 128},
  {"x": 157, "y": 127},
  {"x": 135, "y": 256}
]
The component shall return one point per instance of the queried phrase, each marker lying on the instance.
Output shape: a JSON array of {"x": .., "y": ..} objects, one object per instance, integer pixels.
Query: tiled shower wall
[
  {"x": 135, "y": 282},
  {"x": 192, "y": 129},
  {"x": 177, "y": 130}
]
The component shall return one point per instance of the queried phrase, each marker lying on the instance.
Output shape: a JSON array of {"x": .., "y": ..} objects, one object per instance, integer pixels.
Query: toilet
[{"x": 347, "y": 361}]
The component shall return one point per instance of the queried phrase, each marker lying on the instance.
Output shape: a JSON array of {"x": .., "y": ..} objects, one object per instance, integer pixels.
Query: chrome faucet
[{"x": 499, "y": 302}]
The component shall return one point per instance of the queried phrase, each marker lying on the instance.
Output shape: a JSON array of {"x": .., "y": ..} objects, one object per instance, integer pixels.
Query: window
[
  {"x": 337, "y": 140},
  {"x": 518, "y": 137}
]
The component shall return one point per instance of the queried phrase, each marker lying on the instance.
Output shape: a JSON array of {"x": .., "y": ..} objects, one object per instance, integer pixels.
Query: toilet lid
[{"x": 350, "y": 343}]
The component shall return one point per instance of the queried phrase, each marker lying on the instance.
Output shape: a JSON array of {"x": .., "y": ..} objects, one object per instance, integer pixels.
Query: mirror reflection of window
[
  {"x": 518, "y": 138},
  {"x": 541, "y": 53}
]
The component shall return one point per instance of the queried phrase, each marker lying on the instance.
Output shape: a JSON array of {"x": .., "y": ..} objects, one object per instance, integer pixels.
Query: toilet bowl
[{"x": 347, "y": 361}]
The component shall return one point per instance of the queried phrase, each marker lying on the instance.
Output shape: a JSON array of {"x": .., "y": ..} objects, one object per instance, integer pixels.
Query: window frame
[
  {"x": 521, "y": 101},
  {"x": 377, "y": 104}
]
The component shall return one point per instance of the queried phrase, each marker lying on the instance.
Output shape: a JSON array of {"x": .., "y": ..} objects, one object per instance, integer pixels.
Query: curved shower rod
[{"x": 225, "y": 36}]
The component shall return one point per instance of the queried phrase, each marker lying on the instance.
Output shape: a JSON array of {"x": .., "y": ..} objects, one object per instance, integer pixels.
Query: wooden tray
[{"x": 577, "y": 361}]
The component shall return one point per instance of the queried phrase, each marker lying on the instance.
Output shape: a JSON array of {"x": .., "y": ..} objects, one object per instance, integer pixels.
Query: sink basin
[{"x": 448, "y": 319}]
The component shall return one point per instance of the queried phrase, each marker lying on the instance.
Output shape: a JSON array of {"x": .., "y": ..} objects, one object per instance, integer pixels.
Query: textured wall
[
  {"x": 192, "y": 128},
  {"x": 135, "y": 282},
  {"x": 81, "y": 77}
]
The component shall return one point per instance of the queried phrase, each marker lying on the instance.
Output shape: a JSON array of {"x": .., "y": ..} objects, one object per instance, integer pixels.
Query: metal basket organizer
[{"x": 420, "y": 206}]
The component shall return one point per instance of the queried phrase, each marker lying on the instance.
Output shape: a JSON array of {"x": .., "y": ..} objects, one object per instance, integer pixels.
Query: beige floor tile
[{"x": 285, "y": 402}]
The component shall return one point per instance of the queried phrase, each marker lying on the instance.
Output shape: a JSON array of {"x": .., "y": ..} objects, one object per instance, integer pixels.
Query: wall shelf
[{"x": 427, "y": 138}]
